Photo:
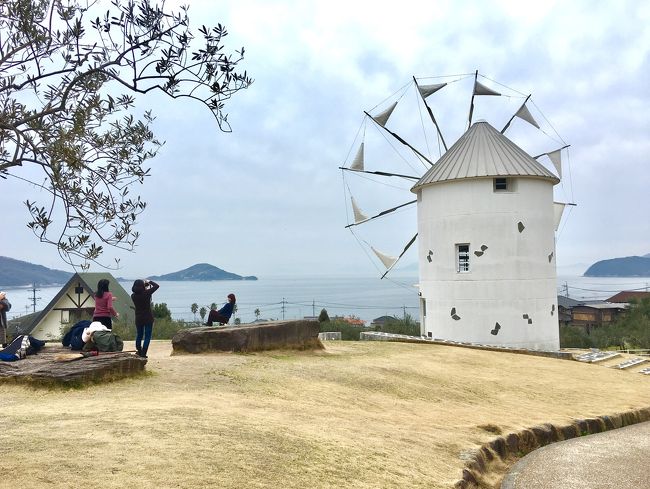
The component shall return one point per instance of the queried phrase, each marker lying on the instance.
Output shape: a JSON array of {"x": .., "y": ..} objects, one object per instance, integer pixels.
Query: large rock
[
  {"x": 44, "y": 369},
  {"x": 272, "y": 335}
]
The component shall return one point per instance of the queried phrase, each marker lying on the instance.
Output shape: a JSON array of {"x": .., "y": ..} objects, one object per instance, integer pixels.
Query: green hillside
[
  {"x": 16, "y": 273},
  {"x": 630, "y": 266}
]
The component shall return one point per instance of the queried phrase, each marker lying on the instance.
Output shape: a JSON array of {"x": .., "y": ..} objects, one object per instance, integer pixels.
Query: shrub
[
  {"x": 323, "y": 316},
  {"x": 574, "y": 337},
  {"x": 161, "y": 311},
  {"x": 407, "y": 326},
  {"x": 163, "y": 329},
  {"x": 348, "y": 332}
]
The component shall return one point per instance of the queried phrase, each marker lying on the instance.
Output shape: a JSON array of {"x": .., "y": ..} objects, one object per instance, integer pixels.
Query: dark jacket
[
  {"x": 226, "y": 310},
  {"x": 142, "y": 303},
  {"x": 73, "y": 337}
]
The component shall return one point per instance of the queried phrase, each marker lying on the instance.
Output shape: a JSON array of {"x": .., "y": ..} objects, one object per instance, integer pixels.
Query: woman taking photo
[{"x": 141, "y": 297}]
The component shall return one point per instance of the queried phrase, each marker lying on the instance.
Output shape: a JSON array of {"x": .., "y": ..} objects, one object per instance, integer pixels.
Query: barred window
[{"x": 462, "y": 253}]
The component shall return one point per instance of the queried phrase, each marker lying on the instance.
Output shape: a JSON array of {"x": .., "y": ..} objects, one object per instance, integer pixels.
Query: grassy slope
[{"x": 360, "y": 414}]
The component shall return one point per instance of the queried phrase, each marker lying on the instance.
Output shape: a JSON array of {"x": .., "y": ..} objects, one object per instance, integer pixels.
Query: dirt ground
[{"x": 358, "y": 414}]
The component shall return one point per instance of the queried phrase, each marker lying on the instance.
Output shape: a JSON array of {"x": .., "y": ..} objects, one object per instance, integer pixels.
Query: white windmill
[{"x": 486, "y": 222}]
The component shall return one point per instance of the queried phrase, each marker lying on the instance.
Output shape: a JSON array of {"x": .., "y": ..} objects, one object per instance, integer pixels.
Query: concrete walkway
[{"x": 617, "y": 459}]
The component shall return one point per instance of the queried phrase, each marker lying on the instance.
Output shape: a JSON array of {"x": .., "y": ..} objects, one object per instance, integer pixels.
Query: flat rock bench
[
  {"x": 271, "y": 335},
  {"x": 44, "y": 369}
]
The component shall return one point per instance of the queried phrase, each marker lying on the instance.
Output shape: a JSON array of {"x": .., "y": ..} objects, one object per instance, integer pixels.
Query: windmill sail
[
  {"x": 408, "y": 245},
  {"x": 357, "y": 163},
  {"x": 387, "y": 260},
  {"x": 382, "y": 173},
  {"x": 426, "y": 90},
  {"x": 480, "y": 89},
  {"x": 382, "y": 213},
  {"x": 556, "y": 158},
  {"x": 359, "y": 216},
  {"x": 558, "y": 210},
  {"x": 382, "y": 118},
  {"x": 522, "y": 113}
]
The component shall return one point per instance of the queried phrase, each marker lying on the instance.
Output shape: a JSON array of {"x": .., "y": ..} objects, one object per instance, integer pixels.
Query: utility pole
[
  {"x": 34, "y": 298},
  {"x": 313, "y": 307},
  {"x": 566, "y": 289},
  {"x": 283, "y": 308}
]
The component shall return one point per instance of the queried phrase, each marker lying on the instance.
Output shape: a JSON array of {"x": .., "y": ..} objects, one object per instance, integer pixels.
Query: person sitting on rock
[{"x": 222, "y": 316}]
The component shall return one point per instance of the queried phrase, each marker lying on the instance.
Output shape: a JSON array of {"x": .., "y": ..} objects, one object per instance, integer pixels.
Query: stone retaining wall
[
  {"x": 402, "y": 338},
  {"x": 508, "y": 448}
]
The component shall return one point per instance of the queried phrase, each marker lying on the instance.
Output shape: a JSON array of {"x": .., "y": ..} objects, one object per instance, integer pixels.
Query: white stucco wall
[{"x": 513, "y": 276}]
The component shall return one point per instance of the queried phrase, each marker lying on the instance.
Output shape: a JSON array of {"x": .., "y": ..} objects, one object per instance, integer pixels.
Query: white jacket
[{"x": 88, "y": 332}]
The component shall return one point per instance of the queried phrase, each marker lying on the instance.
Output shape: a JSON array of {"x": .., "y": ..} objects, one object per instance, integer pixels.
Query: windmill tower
[{"x": 486, "y": 222}]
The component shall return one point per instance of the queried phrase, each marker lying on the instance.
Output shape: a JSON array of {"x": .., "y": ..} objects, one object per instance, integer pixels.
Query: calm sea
[{"x": 284, "y": 297}]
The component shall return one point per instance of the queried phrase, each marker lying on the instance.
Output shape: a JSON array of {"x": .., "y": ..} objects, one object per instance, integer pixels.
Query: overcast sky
[{"x": 268, "y": 198}]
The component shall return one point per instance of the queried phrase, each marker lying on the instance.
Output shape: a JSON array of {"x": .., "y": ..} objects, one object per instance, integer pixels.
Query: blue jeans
[{"x": 146, "y": 332}]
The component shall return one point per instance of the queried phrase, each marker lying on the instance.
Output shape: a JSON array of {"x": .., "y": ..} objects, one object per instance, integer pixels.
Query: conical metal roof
[{"x": 483, "y": 152}]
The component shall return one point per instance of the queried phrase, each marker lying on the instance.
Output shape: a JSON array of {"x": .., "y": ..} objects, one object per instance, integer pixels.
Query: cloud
[{"x": 268, "y": 197}]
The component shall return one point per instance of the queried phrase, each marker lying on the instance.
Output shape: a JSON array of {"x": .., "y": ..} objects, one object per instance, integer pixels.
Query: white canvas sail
[
  {"x": 359, "y": 216},
  {"x": 426, "y": 90},
  {"x": 382, "y": 118},
  {"x": 556, "y": 158},
  {"x": 357, "y": 163},
  {"x": 558, "y": 210},
  {"x": 480, "y": 89},
  {"x": 387, "y": 260},
  {"x": 524, "y": 113}
]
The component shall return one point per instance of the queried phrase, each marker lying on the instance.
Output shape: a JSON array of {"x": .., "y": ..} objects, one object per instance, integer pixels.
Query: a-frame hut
[
  {"x": 74, "y": 302},
  {"x": 486, "y": 231}
]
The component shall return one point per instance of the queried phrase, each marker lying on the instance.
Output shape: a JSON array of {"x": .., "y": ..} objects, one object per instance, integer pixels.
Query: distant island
[
  {"x": 630, "y": 266},
  {"x": 202, "y": 272},
  {"x": 17, "y": 273}
]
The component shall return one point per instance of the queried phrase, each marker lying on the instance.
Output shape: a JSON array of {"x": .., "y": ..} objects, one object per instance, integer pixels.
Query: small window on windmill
[
  {"x": 501, "y": 185},
  {"x": 65, "y": 317},
  {"x": 78, "y": 289},
  {"x": 462, "y": 260}
]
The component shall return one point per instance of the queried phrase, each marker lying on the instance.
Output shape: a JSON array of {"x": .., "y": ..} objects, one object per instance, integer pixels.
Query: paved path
[{"x": 617, "y": 459}]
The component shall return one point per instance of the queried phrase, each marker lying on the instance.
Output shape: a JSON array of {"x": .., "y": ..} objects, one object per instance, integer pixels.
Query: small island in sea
[
  {"x": 202, "y": 272},
  {"x": 629, "y": 266}
]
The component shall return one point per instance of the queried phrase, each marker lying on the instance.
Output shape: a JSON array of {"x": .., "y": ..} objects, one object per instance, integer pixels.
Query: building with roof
[
  {"x": 352, "y": 320},
  {"x": 74, "y": 302},
  {"x": 486, "y": 222},
  {"x": 627, "y": 295},
  {"x": 382, "y": 320},
  {"x": 593, "y": 314},
  {"x": 564, "y": 307}
]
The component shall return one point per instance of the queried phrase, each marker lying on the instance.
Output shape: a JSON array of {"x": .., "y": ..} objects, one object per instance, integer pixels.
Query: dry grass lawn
[{"x": 359, "y": 414}]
